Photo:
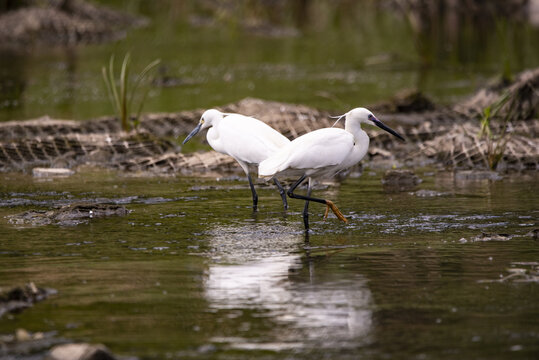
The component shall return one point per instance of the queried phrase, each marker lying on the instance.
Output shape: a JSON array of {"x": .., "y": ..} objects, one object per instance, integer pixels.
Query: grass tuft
[{"x": 123, "y": 96}]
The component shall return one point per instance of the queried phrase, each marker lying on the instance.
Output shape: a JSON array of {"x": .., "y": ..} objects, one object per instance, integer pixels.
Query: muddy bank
[
  {"x": 443, "y": 137},
  {"x": 62, "y": 22}
]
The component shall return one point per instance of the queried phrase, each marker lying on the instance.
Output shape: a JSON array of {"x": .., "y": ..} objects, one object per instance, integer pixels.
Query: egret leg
[
  {"x": 329, "y": 203},
  {"x": 306, "y": 207},
  {"x": 253, "y": 192},
  {"x": 245, "y": 168},
  {"x": 282, "y": 192}
]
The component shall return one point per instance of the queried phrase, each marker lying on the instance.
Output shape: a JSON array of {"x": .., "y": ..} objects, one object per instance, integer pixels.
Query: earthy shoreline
[{"x": 446, "y": 138}]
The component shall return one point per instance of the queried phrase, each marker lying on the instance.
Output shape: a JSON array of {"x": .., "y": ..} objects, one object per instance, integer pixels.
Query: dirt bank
[{"x": 436, "y": 136}]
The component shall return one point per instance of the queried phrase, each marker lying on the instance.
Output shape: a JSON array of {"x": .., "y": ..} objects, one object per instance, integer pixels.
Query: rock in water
[
  {"x": 67, "y": 215},
  {"x": 51, "y": 172},
  {"x": 20, "y": 298},
  {"x": 400, "y": 180},
  {"x": 80, "y": 352}
]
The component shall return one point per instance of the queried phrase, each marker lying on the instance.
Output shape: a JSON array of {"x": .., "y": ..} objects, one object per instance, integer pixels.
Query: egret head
[
  {"x": 208, "y": 119},
  {"x": 362, "y": 115}
]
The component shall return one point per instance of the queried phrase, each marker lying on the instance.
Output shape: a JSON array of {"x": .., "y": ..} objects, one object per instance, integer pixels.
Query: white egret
[
  {"x": 248, "y": 140},
  {"x": 322, "y": 154}
]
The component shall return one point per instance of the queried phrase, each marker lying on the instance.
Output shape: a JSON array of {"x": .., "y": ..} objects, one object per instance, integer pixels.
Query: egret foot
[{"x": 336, "y": 211}]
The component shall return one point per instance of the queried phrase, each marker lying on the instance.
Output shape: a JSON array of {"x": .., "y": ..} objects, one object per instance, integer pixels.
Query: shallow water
[
  {"x": 192, "y": 272},
  {"x": 347, "y": 55}
]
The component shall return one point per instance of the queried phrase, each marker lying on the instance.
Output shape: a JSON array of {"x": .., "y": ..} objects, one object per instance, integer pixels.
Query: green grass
[{"x": 123, "y": 94}]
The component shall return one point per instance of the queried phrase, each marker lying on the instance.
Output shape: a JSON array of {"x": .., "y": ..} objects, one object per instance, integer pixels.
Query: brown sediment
[
  {"x": 524, "y": 88},
  {"x": 462, "y": 147}
]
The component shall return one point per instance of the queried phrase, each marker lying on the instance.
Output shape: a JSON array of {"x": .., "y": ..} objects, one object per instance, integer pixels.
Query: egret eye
[
  {"x": 370, "y": 117},
  {"x": 202, "y": 121}
]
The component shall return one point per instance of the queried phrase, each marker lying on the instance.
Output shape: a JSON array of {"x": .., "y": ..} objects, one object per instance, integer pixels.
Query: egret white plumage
[
  {"x": 248, "y": 140},
  {"x": 322, "y": 154}
]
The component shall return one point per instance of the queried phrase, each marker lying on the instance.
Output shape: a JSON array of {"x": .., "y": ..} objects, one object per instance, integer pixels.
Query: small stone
[
  {"x": 400, "y": 180},
  {"x": 428, "y": 193},
  {"x": 80, "y": 352},
  {"x": 534, "y": 234},
  {"x": 207, "y": 348},
  {"x": 22, "y": 335},
  {"x": 516, "y": 348},
  {"x": 32, "y": 287},
  {"x": 51, "y": 172}
]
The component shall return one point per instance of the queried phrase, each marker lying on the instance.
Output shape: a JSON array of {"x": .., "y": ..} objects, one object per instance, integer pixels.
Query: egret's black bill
[
  {"x": 383, "y": 126},
  {"x": 192, "y": 133}
]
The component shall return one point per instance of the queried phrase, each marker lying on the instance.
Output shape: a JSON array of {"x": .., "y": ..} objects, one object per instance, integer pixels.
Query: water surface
[
  {"x": 345, "y": 55},
  {"x": 192, "y": 272}
]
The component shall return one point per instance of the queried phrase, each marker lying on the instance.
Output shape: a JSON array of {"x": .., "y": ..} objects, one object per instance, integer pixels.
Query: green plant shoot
[
  {"x": 122, "y": 98},
  {"x": 496, "y": 143}
]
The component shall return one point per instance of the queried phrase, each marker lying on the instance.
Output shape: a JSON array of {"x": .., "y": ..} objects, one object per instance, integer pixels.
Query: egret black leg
[
  {"x": 253, "y": 192},
  {"x": 291, "y": 194},
  {"x": 307, "y": 198},
  {"x": 306, "y": 207},
  {"x": 282, "y": 192}
]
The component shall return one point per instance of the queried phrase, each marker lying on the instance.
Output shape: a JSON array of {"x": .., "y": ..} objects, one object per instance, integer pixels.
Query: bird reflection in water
[{"x": 260, "y": 272}]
